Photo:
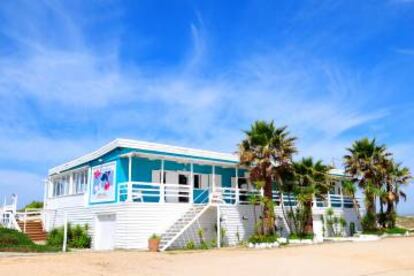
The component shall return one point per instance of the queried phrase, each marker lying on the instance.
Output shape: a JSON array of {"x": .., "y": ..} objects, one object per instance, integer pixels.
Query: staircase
[
  {"x": 34, "y": 229},
  {"x": 182, "y": 224}
]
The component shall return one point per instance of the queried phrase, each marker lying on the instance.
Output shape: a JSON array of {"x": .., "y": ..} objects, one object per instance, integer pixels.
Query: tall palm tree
[
  {"x": 364, "y": 162},
  {"x": 267, "y": 150},
  {"x": 397, "y": 177},
  {"x": 312, "y": 179}
]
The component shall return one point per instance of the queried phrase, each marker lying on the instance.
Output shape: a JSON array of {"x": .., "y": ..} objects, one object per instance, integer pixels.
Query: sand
[{"x": 393, "y": 256}]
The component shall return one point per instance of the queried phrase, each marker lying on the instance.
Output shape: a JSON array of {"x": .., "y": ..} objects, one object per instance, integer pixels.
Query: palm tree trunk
[
  {"x": 390, "y": 214},
  {"x": 309, "y": 220},
  {"x": 268, "y": 217}
]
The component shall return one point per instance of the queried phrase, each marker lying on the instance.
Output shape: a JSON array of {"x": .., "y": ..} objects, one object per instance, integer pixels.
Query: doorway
[{"x": 105, "y": 232}]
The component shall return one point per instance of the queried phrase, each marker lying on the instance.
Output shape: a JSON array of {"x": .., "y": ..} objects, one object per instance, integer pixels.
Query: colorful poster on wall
[{"x": 103, "y": 183}]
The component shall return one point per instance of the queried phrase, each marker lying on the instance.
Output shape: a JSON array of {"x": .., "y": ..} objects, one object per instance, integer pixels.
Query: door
[
  {"x": 105, "y": 232},
  {"x": 183, "y": 193}
]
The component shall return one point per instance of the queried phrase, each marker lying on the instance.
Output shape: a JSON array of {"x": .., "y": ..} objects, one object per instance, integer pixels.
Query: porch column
[
  {"x": 191, "y": 193},
  {"x": 342, "y": 197},
  {"x": 162, "y": 187},
  {"x": 71, "y": 188},
  {"x": 214, "y": 178},
  {"x": 237, "y": 186},
  {"x": 45, "y": 192},
  {"x": 89, "y": 182},
  {"x": 129, "y": 186}
]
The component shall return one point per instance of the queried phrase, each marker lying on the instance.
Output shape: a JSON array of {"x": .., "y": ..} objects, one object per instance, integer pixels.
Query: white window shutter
[{"x": 156, "y": 176}]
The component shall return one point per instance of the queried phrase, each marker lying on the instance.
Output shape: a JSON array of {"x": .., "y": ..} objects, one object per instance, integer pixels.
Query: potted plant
[{"x": 154, "y": 243}]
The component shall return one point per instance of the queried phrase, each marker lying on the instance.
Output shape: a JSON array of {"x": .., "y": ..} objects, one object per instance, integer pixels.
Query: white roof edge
[
  {"x": 136, "y": 144},
  {"x": 337, "y": 172}
]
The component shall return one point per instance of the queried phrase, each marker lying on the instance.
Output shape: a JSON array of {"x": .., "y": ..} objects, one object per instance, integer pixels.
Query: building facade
[{"x": 128, "y": 190}]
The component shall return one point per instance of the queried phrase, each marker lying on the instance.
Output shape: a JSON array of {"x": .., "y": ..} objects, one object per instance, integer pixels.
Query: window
[
  {"x": 61, "y": 185},
  {"x": 80, "y": 180}
]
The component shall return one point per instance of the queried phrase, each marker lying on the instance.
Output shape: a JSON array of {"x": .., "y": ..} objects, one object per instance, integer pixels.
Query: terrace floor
[{"x": 393, "y": 256}]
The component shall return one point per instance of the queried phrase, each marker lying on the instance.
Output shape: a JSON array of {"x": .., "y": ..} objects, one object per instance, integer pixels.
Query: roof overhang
[
  {"x": 186, "y": 153},
  {"x": 179, "y": 159}
]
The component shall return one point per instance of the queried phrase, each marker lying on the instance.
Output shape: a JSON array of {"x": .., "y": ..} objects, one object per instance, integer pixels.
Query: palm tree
[
  {"x": 267, "y": 150},
  {"x": 397, "y": 176},
  {"x": 364, "y": 163},
  {"x": 312, "y": 179}
]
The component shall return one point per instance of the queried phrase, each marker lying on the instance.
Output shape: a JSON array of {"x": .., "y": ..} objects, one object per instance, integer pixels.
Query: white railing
[
  {"x": 8, "y": 220},
  {"x": 180, "y": 193},
  {"x": 154, "y": 192},
  {"x": 29, "y": 214}
]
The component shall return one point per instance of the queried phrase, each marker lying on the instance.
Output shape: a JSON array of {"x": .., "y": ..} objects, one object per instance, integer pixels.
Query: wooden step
[{"x": 33, "y": 229}]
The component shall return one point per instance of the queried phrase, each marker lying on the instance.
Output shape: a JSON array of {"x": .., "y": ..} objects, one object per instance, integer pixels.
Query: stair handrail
[{"x": 170, "y": 242}]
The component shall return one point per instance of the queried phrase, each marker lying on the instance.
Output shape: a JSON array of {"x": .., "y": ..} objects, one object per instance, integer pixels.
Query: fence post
[
  {"x": 24, "y": 222},
  {"x": 218, "y": 227},
  {"x": 65, "y": 233}
]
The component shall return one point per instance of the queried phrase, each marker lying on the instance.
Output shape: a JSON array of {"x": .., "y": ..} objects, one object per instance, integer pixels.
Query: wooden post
[{"x": 65, "y": 233}]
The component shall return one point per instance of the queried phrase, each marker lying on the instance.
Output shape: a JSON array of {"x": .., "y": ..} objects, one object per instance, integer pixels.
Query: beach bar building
[{"x": 128, "y": 190}]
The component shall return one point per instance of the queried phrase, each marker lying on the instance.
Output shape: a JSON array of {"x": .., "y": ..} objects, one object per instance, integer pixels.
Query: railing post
[
  {"x": 129, "y": 185},
  {"x": 191, "y": 193},
  {"x": 329, "y": 199},
  {"x": 162, "y": 187},
  {"x": 214, "y": 178},
  {"x": 237, "y": 186},
  {"x": 24, "y": 222}
]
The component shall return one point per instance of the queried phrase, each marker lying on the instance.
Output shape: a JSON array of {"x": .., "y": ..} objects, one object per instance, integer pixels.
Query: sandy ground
[{"x": 394, "y": 256}]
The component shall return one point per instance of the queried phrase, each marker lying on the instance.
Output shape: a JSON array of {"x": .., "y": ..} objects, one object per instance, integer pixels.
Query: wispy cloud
[{"x": 59, "y": 101}]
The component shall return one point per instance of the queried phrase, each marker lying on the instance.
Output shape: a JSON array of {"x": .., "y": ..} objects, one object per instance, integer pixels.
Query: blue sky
[{"x": 76, "y": 74}]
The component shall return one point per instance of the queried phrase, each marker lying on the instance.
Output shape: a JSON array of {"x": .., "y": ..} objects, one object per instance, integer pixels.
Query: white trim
[{"x": 135, "y": 144}]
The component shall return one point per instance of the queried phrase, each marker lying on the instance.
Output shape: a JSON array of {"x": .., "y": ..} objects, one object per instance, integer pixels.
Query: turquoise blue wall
[{"x": 142, "y": 168}]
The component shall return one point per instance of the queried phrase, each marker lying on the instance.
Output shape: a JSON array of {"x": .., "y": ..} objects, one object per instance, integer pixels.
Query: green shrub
[
  {"x": 55, "y": 237},
  {"x": 369, "y": 223},
  {"x": 155, "y": 237},
  {"x": 257, "y": 238},
  {"x": 77, "y": 237},
  {"x": 13, "y": 237},
  {"x": 15, "y": 241},
  {"x": 373, "y": 232},
  {"x": 190, "y": 245},
  {"x": 33, "y": 205},
  {"x": 396, "y": 230},
  {"x": 213, "y": 243},
  {"x": 204, "y": 245},
  {"x": 305, "y": 236}
]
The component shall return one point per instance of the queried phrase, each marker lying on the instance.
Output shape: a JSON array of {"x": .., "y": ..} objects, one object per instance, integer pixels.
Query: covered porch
[{"x": 155, "y": 178}]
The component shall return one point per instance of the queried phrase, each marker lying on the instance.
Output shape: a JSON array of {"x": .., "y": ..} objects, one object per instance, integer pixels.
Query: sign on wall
[{"x": 103, "y": 183}]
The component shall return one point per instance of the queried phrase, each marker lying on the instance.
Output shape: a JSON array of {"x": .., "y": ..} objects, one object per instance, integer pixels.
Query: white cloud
[{"x": 60, "y": 102}]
